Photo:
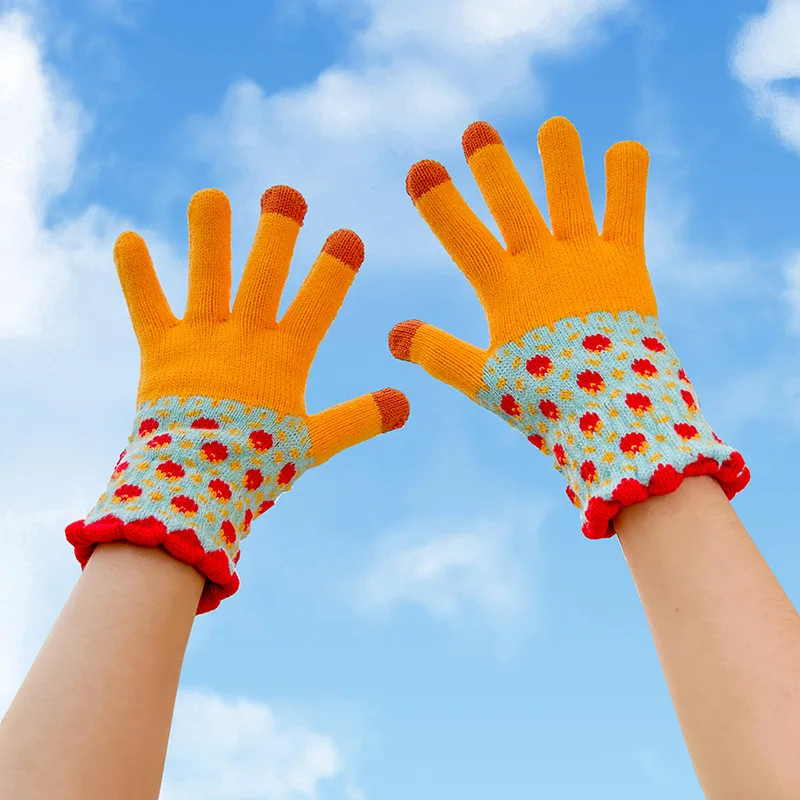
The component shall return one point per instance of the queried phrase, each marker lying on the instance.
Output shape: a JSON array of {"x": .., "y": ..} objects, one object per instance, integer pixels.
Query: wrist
[
  {"x": 145, "y": 571},
  {"x": 695, "y": 497}
]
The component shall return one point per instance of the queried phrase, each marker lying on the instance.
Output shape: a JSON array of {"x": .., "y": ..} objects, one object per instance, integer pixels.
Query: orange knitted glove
[
  {"x": 221, "y": 427},
  {"x": 576, "y": 358}
]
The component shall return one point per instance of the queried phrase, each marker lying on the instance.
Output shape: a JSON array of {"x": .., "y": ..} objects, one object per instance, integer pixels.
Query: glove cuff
[
  {"x": 725, "y": 465},
  {"x": 216, "y": 566},
  {"x": 194, "y": 476},
  {"x": 606, "y": 396}
]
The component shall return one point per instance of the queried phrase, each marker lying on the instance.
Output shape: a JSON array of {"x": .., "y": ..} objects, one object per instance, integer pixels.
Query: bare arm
[
  {"x": 220, "y": 433},
  {"x": 578, "y": 363},
  {"x": 92, "y": 718},
  {"x": 727, "y": 636}
]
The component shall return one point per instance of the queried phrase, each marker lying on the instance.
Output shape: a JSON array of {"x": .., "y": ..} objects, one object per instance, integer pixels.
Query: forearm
[
  {"x": 727, "y": 636},
  {"x": 92, "y": 718}
]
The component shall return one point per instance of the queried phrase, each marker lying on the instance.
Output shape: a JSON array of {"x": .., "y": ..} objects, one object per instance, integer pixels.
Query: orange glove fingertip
[
  {"x": 394, "y": 408},
  {"x": 345, "y": 246},
  {"x": 424, "y": 176},
  {"x": 401, "y": 338},
  {"x": 477, "y": 136},
  {"x": 286, "y": 201}
]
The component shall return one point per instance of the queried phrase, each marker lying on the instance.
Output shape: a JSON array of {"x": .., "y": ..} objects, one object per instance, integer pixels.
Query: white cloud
[
  {"x": 467, "y": 570},
  {"x": 40, "y": 128},
  {"x": 473, "y": 27},
  {"x": 417, "y": 74},
  {"x": 765, "y": 57},
  {"x": 44, "y": 264},
  {"x": 411, "y": 98},
  {"x": 239, "y": 749}
]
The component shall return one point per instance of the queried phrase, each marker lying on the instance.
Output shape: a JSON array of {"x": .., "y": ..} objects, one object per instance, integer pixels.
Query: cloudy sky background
[{"x": 421, "y": 618}]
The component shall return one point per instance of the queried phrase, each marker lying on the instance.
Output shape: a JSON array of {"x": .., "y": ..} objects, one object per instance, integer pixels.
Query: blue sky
[{"x": 421, "y": 616}]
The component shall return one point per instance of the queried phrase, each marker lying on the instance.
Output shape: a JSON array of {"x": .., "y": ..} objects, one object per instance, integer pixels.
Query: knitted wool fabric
[
  {"x": 221, "y": 428},
  {"x": 577, "y": 360}
]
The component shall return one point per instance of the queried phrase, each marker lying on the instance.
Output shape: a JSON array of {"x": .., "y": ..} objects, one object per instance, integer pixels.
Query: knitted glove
[
  {"x": 221, "y": 427},
  {"x": 576, "y": 361}
]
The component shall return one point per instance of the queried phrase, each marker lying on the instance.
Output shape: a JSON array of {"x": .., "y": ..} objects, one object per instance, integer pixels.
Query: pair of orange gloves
[{"x": 576, "y": 359}]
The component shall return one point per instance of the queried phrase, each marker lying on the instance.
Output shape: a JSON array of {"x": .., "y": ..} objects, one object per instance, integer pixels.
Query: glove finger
[
  {"x": 323, "y": 291},
  {"x": 209, "y": 296},
  {"x": 468, "y": 241},
  {"x": 568, "y": 199},
  {"x": 520, "y": 221},
  {"x": 355, "y": 421},
  {"x": 147, "y": 305},
  {"x": 626, "y": 188},
  {"x": 446, "y": 358},
  {"x": 283, "y": 210}
]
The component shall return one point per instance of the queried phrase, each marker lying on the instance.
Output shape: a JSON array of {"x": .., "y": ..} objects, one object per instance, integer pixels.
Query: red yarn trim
[
  {"x": 150, "y": 532},
  {"x": 732, "y": 475}
]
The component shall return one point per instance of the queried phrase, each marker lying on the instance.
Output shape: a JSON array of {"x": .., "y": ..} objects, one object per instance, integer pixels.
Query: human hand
[
  {"x": 221, "y": 426},
  {"x": 576, "y": 359}
]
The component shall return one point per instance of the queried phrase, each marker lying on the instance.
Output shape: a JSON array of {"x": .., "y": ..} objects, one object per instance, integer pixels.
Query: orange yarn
[
  {"x": 246, "y": 354},
  {"x": 576, "y": 361},
  {"x": 542, "y": 274}
]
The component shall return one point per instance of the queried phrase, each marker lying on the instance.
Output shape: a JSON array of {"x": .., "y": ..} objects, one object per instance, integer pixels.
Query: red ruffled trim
[
  {"x": 151, "y": 532},
  {"x": 732, "y": 475}
]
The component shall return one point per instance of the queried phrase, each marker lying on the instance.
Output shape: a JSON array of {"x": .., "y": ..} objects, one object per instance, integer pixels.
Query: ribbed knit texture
[
  {"x": 221, "y": 427},
  {"x": 576, "y": 358}
]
